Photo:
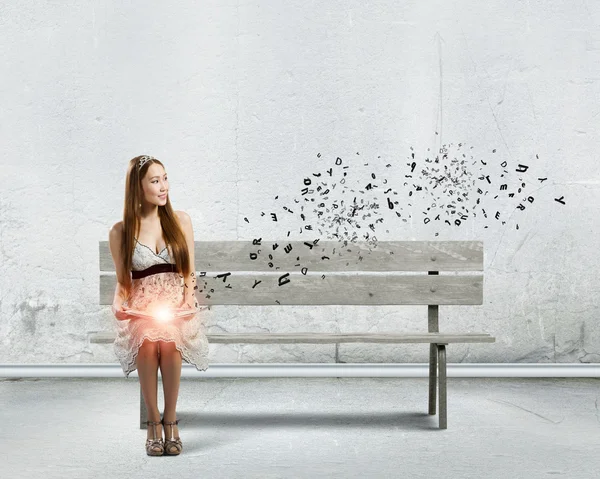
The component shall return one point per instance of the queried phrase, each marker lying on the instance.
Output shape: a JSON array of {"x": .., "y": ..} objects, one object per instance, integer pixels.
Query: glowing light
[{"x": 163, "y": 313}]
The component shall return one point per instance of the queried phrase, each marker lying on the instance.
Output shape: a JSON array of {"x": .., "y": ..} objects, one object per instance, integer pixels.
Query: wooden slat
[
  {"x": 325, "y": 256},
  {"x": 333, "y": 289},
  {"x": 102, "y": 337},
  {"x": 327, "y": 338}
]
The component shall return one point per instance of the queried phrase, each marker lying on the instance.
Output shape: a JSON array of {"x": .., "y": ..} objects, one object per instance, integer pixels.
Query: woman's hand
[
  {"x": 186, "y": 308},
  {"x": 120, "y": 312}
]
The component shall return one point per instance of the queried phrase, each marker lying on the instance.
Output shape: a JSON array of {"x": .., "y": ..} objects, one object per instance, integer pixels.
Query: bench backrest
[{"x": 329, "y": 272}]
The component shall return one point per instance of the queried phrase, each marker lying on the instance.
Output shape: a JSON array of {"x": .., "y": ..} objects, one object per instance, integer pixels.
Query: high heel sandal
[
  {"x": 173, "y": 442},
  {"x": 155, "y": 443}
]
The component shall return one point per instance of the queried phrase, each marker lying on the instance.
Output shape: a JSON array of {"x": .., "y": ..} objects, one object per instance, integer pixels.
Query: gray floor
[{"x": 305, "y": 428}]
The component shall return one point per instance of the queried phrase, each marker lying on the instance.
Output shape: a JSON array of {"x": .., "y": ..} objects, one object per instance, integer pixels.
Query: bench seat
[{"x": 329, "y": 338}]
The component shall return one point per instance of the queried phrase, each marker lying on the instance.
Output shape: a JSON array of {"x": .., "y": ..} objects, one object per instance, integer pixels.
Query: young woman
[{"x": 153, "y": 252}]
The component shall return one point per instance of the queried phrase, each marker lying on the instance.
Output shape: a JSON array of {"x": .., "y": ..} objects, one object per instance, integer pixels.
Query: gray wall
[{"x": 244, "y": 100}]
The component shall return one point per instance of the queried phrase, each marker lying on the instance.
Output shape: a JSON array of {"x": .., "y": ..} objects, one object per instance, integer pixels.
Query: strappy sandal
[
  {"x": 173, "y": 446},
  {"x": 155, "y": 446}
]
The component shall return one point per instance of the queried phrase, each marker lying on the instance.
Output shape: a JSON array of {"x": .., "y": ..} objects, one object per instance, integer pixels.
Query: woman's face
[{"x": 155, "y": 185}]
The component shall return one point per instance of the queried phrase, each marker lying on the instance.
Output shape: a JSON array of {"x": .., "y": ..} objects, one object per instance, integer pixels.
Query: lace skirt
[{"x": 164, "y": 289}]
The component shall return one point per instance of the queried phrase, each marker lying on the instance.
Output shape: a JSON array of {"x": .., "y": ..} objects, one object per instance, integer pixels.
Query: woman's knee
[
  {"x": 149, "y": 347},
  {"x": 167, "y": 346}
]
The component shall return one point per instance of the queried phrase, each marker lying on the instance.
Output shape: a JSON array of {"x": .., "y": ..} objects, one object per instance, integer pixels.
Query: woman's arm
[
  {"x": 190, "y": 287},
  {"x": 114, "y": 240}
]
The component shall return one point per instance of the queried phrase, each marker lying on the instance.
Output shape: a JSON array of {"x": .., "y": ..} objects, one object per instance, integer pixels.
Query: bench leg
[
  {"x": 432, "y": 377},
  {"x": 143, "y": 410},
  {"x": 442, "y": 382}
]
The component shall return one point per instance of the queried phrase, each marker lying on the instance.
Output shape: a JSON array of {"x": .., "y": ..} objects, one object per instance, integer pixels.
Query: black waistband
[{"x": 154, "y": 269}]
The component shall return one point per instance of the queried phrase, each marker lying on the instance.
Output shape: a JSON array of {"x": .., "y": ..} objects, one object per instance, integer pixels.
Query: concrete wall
[{"x": 244, "y": 100}]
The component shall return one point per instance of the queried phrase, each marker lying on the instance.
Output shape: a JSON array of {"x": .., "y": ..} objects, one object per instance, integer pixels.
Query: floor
[{"x": 305, "y": 428}]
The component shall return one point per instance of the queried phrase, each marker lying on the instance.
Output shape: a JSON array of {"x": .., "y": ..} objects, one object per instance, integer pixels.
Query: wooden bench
[{"x": 316, "y": 273}]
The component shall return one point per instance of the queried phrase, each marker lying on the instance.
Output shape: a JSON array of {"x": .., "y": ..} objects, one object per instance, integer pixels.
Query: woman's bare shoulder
[
  {"x": 182, "y": 215},
  {"x": 116, "y": 230}
]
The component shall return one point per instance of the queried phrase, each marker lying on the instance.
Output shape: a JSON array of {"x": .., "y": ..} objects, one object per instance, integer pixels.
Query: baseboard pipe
[{"x": 279, "y": 370}]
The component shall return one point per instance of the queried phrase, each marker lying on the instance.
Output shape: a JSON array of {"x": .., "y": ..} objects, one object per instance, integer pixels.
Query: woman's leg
[
  {"x": 170, "y": 369},
  {"x": 147, "y": 366}
]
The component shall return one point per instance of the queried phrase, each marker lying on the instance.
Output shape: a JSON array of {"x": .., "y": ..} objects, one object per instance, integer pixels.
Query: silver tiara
[{"x": 144, "y": 159}]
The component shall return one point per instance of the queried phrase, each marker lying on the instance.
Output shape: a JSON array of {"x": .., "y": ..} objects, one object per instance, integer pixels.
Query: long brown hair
[{"x": 169, "y": 221}]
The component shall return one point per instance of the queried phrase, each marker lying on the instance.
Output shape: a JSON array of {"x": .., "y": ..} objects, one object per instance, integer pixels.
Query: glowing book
[{"x": 161, "y": 315}]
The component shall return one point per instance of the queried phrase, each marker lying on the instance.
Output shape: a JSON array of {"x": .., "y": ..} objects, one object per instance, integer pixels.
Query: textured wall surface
[{"x": 481, "y": 117}]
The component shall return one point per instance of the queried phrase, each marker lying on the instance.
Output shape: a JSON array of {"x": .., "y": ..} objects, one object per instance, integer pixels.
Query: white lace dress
[{"x": 166, "y": 289}]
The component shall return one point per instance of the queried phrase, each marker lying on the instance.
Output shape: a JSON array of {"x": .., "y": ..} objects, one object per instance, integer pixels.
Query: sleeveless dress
[{"x": 165, "y": 289}]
